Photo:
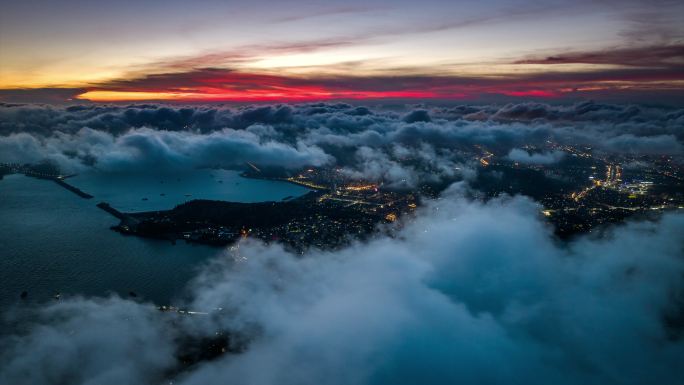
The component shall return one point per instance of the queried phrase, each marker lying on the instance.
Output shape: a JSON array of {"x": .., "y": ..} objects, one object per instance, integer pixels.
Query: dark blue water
[
  {"x": 51, "y": 240},
  {"x": 142, "y": 192}
]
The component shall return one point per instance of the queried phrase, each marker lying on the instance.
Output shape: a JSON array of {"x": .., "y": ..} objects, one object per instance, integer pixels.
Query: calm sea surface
[
  {"x": 140, "y": 192},
  {"x": 52, "y": 240}
]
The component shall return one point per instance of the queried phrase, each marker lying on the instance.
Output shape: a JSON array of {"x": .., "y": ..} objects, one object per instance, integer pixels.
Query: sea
[{"x": 53, "y": 241}]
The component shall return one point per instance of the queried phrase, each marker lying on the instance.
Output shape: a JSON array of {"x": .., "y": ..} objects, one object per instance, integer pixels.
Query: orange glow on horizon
[
  {"x": 230, "y": 86},
  {"x": 297, "y": 94},
  {"x": 122, "y": 96}
]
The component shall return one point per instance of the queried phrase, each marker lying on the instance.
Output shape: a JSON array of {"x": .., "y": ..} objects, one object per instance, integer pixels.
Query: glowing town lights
[{"x": 361, "y": 187}]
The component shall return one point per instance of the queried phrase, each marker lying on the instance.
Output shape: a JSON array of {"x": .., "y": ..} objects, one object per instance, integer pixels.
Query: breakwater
[
  {"x": 106, "y": 207},
  {"x": 73, "y": 189}
]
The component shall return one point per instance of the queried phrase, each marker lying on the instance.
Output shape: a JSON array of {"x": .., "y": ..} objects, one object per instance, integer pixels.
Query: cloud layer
[
  {"x": 522, "y": 156},
  {"x": 399, "y": 145},
  {"x": 465, "y": 293}
]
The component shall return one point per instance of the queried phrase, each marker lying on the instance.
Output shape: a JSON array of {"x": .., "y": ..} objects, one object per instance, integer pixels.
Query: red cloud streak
[{"x": 228, "y": 85}]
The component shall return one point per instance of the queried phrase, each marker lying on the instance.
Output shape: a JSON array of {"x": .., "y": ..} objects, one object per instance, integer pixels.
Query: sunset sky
[{"x": 294, "y": 50}]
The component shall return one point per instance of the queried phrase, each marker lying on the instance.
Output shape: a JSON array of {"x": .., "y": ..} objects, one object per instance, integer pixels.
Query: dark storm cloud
[{"x": 465, "y": 292}]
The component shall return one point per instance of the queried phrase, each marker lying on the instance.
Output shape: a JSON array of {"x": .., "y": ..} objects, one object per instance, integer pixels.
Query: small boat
[
  {"x": 144, "y": 199},
  {"x": 188, "y": 195},
  {"x": 24, "y": 294},
  {"x": 132, "y": 293},
  {"x": 57, "y": 296},
  {"x": 162, "y": 195}
]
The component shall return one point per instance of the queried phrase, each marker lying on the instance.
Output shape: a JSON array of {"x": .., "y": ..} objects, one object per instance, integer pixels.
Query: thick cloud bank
[
  {"x": 146, "y": 149},
  {"x": 401, "y": 146},
  {"x": 465, "y": 292}
]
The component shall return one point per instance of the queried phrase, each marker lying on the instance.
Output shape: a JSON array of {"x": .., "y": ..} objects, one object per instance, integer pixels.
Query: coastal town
[{"x": 579, "y": 194}]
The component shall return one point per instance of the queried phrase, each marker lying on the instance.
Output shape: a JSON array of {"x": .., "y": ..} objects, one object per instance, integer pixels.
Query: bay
[{"x": 52, "y": 240}]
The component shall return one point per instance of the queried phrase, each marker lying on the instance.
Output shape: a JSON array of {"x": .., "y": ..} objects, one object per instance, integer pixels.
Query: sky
[{"x": 294, "y": 50}]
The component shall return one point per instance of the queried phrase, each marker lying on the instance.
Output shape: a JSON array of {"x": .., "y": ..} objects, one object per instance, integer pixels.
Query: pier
[
  {"x": 106, "y": 207},
  {"x": 75, "y": 190},
  {"x": 128, "y": 224},
  {"x": 49, "y": 174}
]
